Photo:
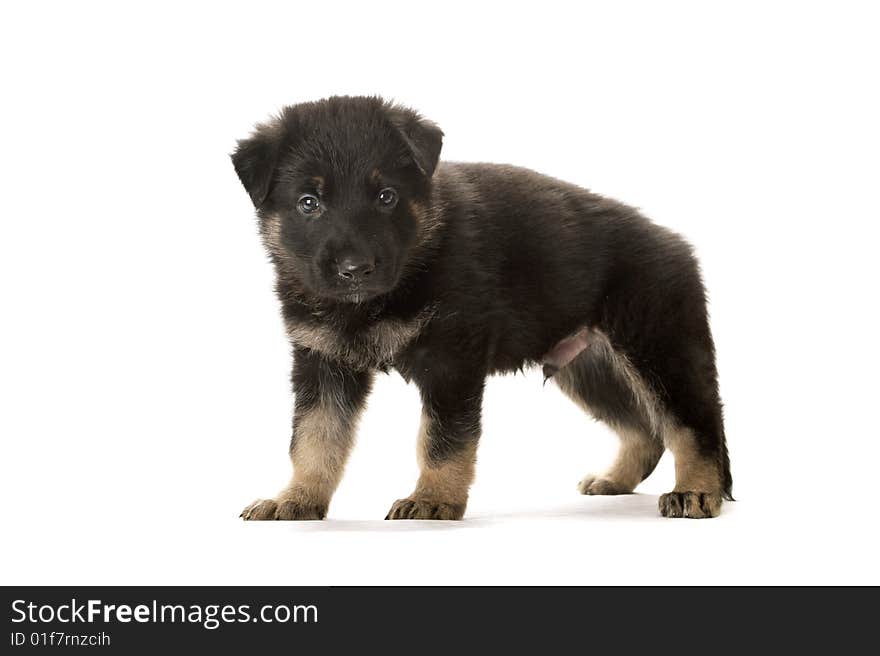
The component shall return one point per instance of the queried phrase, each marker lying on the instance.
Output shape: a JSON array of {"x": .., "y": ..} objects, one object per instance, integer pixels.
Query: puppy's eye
[
  {"x": 308, "y": 204},
  {"x": 388, "y": 197}
]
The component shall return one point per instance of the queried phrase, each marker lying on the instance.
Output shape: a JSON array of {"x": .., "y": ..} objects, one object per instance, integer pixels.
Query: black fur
[{"x": 495, "y": 264}]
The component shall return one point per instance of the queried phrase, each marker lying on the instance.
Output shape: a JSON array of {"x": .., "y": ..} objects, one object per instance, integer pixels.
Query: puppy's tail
[{"x": 726, "y": 477}]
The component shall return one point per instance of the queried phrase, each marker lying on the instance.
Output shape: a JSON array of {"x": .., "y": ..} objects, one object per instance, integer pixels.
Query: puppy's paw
[
  {"x": 293, "y": 509},
  {"x": 422, "y": 509},
  {"x": 598, "y": 485},
  {"x": 694, "y": 505},
  {"x": 284, "y": 508},
  {"x": 259, "y": 510}
]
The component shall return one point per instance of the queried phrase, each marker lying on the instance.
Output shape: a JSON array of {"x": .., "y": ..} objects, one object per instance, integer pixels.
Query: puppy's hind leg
[
  {"x": 599, "y": 381},
  {"x": 695, "y": 436},
  {"x": 637, "y": 458}
]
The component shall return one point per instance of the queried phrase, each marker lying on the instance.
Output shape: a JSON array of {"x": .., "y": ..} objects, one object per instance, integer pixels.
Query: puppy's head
[{"x": 340, "y": 186}]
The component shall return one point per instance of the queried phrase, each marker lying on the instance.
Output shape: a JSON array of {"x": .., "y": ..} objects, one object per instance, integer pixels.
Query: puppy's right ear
[{"x": 256, "y": 159}]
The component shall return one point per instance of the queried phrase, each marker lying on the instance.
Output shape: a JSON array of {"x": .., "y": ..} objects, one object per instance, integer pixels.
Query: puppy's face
[{"x": 339, "y": 185}]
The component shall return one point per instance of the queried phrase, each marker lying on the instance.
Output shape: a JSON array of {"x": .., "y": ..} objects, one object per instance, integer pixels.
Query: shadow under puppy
[{"x": 450, "y": 272}]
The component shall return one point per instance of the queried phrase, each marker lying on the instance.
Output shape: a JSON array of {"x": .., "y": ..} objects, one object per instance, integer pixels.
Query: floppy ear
[
  {"x": 256, "y": 159},
  {"x": 422, "y": 137}
]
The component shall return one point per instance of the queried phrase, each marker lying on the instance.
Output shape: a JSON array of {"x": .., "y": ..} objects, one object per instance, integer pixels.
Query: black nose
[{"x": 355, "y": 269}]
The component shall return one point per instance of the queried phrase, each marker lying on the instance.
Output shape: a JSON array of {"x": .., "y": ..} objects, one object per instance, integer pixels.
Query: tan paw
[
  {"x": 693, "y": 505},
  {"x": 283, "y": 509},
  {"x": 420, "y": 509},
  {"x": 259, "y": 509},
  {"x": 597, "y": 485}
]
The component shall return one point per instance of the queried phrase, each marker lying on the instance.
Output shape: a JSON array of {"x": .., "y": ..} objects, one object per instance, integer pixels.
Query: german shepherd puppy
[{"x": 449, "y": 272}]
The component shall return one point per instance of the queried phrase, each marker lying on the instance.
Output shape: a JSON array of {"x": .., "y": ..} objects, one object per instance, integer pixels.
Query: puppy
[{"x": 449, "y": 272}]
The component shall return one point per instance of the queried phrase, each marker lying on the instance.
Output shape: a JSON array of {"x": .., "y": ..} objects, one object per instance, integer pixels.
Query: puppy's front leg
[
  {"x": 447, "y": 449},
  {"x": 329, "y": 399}
]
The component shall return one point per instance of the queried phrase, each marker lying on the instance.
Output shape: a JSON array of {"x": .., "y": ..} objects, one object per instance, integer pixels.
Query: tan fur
[
  {"x": 323, "y": 438},
  {"x": 639, "y": 453},
  {"x": 371, "y": 347},
  {"x": 270, "y": 231},
  {"x": 693, "y": 472},
  {"x": 450, "y": 480},
  {"x": 442, "y": 489}
]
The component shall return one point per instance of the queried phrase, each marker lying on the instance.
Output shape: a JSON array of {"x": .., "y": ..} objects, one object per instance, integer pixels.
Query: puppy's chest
[{"x": 372, "y": 345}]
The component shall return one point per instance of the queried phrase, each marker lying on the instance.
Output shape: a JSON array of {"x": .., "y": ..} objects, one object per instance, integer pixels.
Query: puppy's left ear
[
  {"x": 256, "y": 159},
  {"x": 422, "y": 137}
]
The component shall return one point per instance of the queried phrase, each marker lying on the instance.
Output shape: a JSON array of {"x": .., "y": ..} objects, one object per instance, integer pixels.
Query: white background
[{"x": 145, "y": 394}]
